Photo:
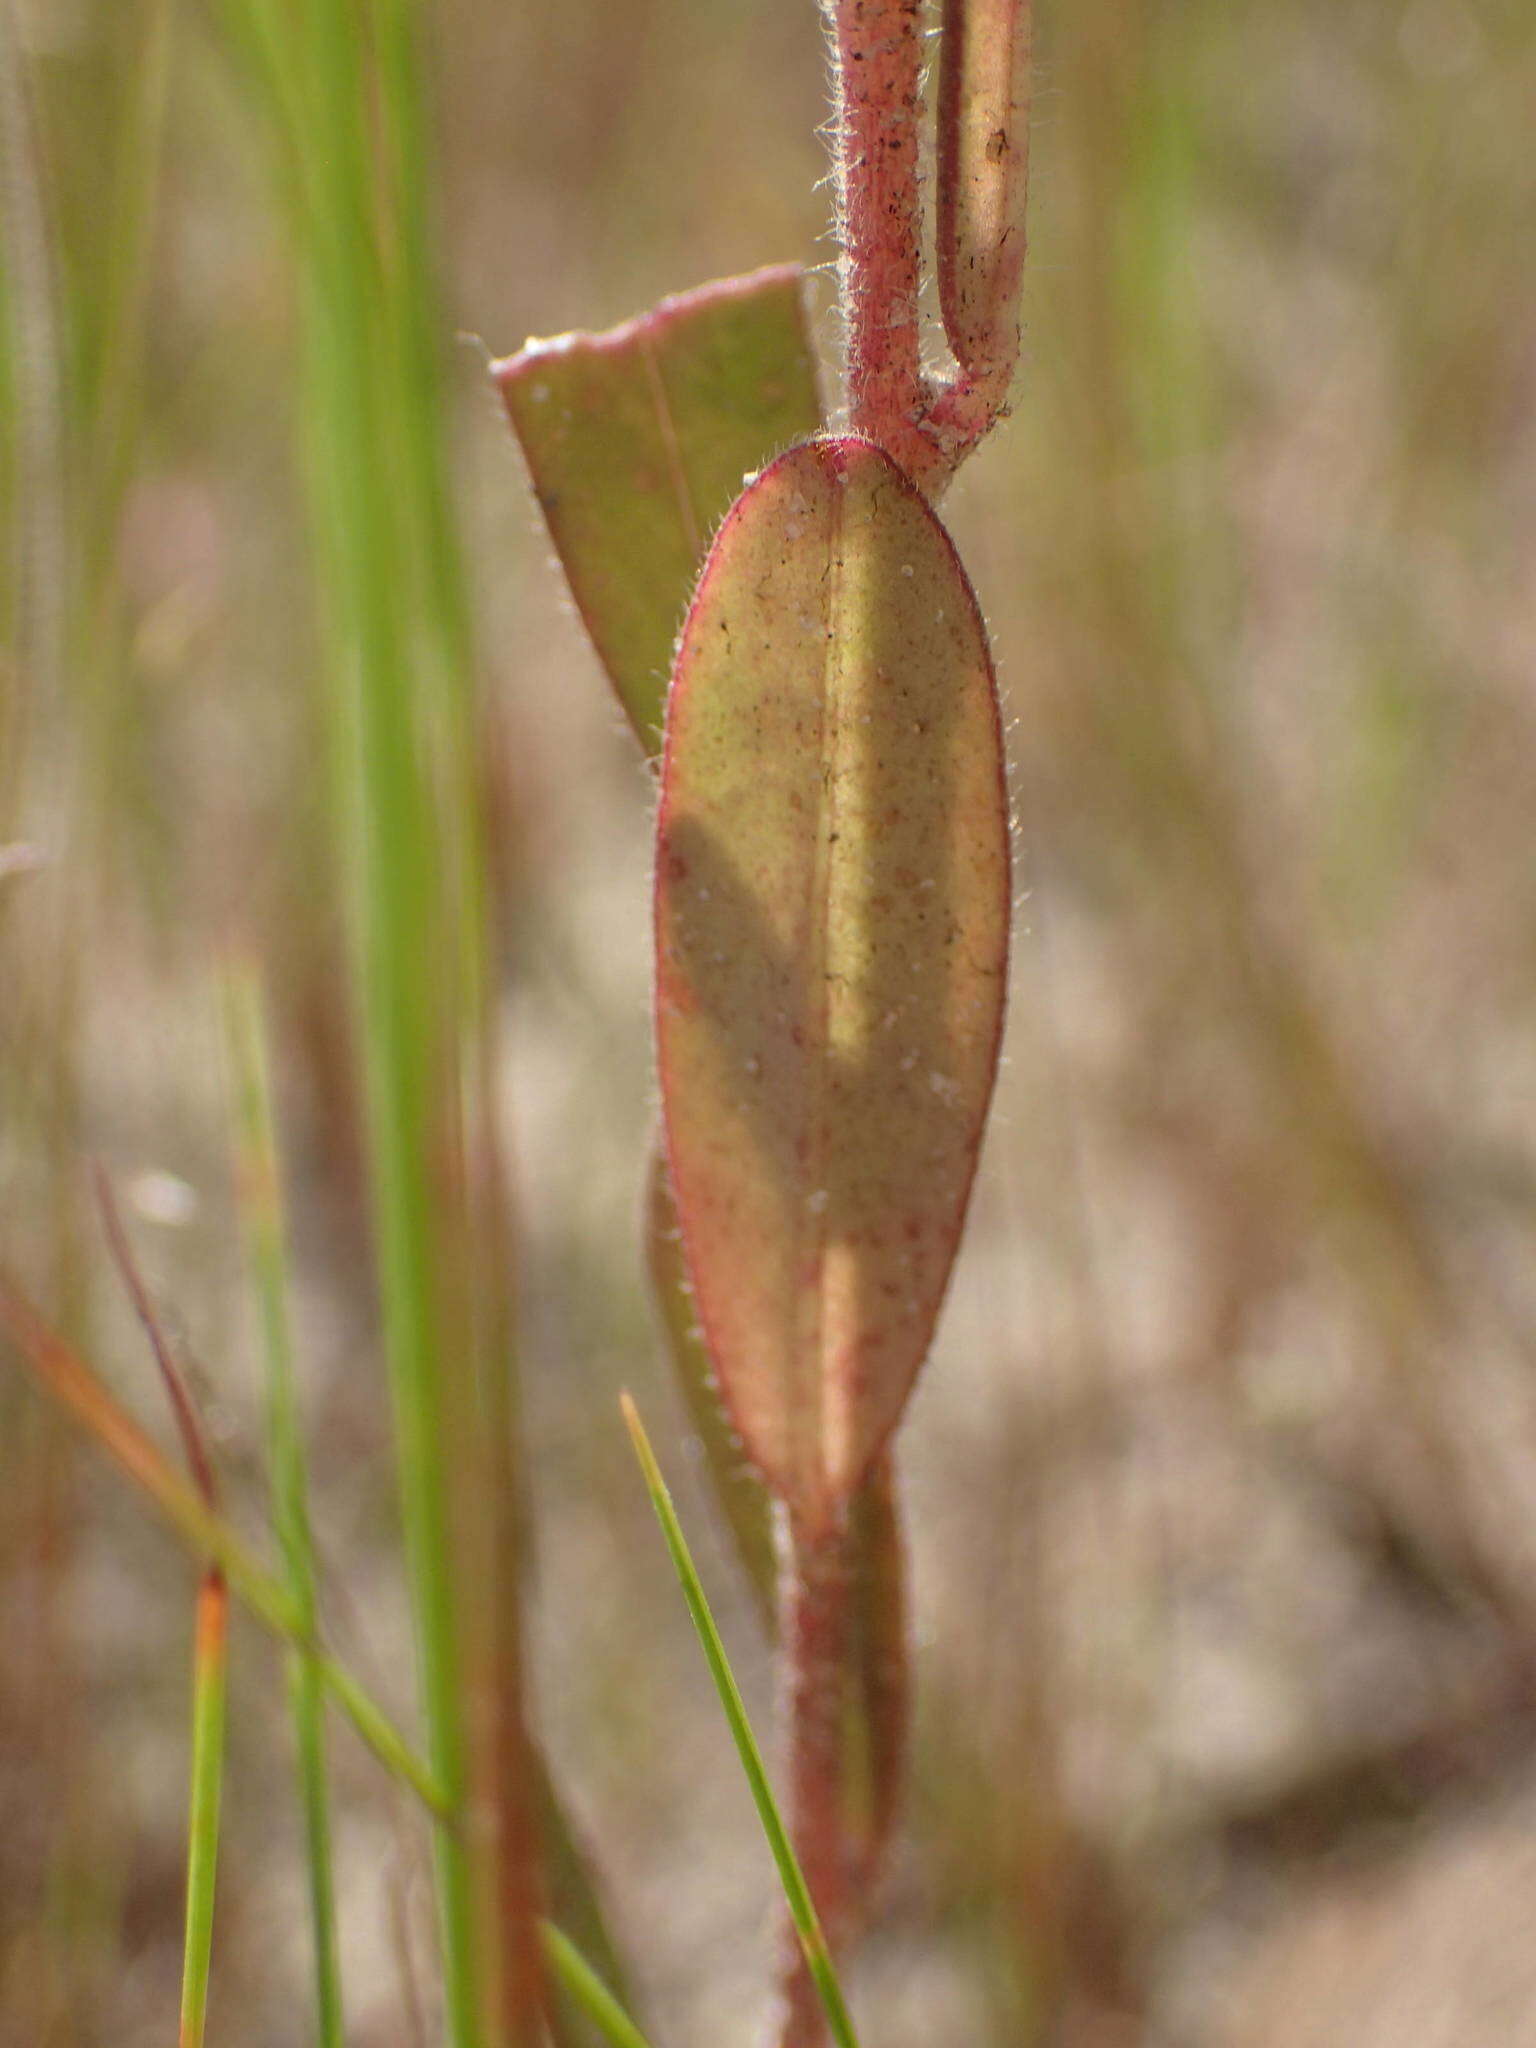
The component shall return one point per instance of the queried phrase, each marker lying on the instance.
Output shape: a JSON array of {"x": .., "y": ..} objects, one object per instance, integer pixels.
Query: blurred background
[{"x": 1219, "y": 1486}]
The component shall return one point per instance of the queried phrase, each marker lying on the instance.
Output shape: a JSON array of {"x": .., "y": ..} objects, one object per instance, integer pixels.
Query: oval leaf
[{"x": 832, "y": 897}]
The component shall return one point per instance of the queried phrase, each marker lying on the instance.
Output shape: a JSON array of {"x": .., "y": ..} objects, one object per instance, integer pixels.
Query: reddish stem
[
  {"x": 879, "y": 59},
  {"x": 877, "y": 1663},
  {"x": 878, "y": 50},
  {"x": 815, "y": 1606},
  {"x": 188, "y": 1422},
  {"x": 963, "y": 412}
]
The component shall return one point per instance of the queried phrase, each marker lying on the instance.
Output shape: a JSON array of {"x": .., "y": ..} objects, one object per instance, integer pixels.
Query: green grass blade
[
  {"x": 261, "y": 1205},
  {"x": 796, "y": 1892},
  {"x": 209, "y": 1667},
  {"x": 571, "y": 1900},
  {"x": 587, "y": 1990},
  {"x": 363, "y": 388},
  {"x": 306, "y": 1704}
]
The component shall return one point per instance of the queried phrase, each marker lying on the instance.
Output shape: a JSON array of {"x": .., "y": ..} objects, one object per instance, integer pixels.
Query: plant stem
[
  {"x": 875, "y": 1733},
  {"x": 929, "y": 427},
  {"x": 815, "y": 1613},
  {"x": 878, "y": 52}
]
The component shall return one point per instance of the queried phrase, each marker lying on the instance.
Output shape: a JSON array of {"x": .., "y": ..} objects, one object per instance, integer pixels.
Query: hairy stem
[
  {"x": 930, "y": 427},
  {"x": 878, "y": 53},
  {"x": 815, "y": 1595}
]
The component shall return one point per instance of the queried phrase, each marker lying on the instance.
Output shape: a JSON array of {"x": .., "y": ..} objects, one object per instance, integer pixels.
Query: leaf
[
  {"x": 983, "y": 177},
  {"x": 638, "y": 439},
  {"x": 832, "y": 897}
]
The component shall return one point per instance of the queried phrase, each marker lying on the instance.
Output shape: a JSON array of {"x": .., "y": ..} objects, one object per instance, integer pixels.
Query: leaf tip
[{"x": 637, "y": 1435}]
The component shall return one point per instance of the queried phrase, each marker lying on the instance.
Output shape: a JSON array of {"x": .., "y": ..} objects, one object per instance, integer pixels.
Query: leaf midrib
[{"x": 815, "y": 1216}]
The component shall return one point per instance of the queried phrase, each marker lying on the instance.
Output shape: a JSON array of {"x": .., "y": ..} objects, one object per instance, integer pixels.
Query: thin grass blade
[
  {"x": 261, "y": 1207},
  {"x": 588, "y": 1992},
  {"x": 210, "y": 1642},
  {"x": 65, "y": 1377},
  {"x": 575, "y": 1905},
  {"x": 797, "y": 1895},
  {"x": 209, "y": 1671}
]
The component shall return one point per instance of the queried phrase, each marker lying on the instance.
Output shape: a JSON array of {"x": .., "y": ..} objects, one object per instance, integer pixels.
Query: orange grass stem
[{"x": 66, "y": 1377}]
